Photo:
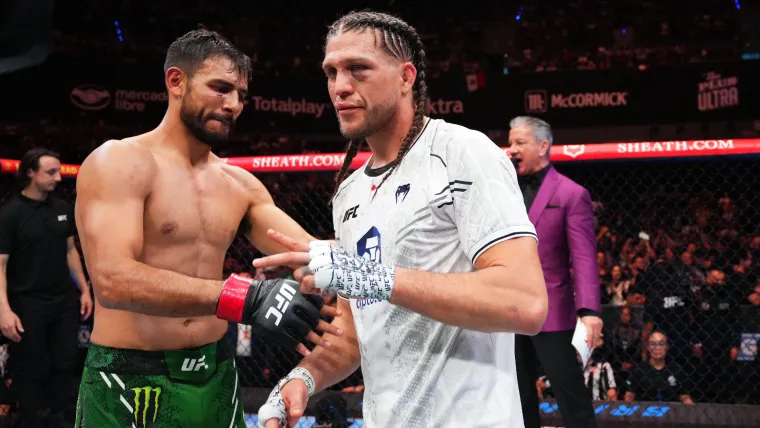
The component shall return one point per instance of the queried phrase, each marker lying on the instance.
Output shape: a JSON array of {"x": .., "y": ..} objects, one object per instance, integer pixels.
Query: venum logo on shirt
[
  {"x": 369, "y": 247},
  {"x": 402, "y": 191}
]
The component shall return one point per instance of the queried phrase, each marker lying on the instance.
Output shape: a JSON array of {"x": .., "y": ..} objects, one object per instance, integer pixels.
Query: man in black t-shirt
[
  {"x": 40, "y": 306},
  {"x": 669, "y": 305},
  {"x": 657, "y": 379},
  {"x": 719, "y": 332}
]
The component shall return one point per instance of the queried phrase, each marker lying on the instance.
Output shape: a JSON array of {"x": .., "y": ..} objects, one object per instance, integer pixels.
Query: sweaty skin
[{"x": 174, "y": 215}]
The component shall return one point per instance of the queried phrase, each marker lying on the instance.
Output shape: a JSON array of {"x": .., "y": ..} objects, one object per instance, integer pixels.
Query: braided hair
[{"x": 401, "y": 41}]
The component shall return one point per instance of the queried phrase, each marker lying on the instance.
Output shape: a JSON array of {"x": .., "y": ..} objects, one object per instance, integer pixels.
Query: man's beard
[
  {"x": 375, "y": 120},
  {"x": 196, "y": 121}
]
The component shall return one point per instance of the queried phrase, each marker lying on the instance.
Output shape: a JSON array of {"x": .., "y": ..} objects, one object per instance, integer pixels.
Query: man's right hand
[
  {"x": 10, "y": 325},
  {"x": 277, "y": 310},
  {"x": 287, "y": 404}
]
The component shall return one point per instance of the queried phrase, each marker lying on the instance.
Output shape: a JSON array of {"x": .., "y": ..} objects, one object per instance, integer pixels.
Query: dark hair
[
  {"x": 192, "y": 49},
  {"x": 31, "y": 160},
  {"x": 401, "y": 41}
]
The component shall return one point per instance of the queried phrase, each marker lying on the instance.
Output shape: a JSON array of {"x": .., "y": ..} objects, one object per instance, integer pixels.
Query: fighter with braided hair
[{"x": 435, "y": 259}]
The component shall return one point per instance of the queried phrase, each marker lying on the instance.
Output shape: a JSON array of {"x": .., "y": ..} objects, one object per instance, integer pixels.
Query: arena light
[
  {"x": 118, "y": 31},
  {"x": 569, "y": 153}
]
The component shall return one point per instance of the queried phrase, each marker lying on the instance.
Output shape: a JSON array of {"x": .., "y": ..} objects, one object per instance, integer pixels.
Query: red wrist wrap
[{"x": 232, "y": 299}]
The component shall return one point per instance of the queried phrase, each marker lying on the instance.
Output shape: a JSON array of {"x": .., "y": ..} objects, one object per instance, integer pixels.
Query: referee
[
  {"x": 40, "y": 307},
  {"x": 562, "y": 213}
]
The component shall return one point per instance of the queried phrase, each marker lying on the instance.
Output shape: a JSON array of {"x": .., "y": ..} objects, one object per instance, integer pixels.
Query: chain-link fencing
[{"x": 679, "y": 263}]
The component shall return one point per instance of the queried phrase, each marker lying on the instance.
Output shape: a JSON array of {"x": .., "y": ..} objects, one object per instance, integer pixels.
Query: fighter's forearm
[
  {"x": 137, "y": 287},
  {"x": 75, "y": 267},
  {"x": 330, "y": 365},
  {"x": 489, "y": 300}
]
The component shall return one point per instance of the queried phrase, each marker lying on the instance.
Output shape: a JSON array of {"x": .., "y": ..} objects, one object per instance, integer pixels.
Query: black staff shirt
[
  {"x": 35, "y": 235},
  {"x": 650, "y": 384}
]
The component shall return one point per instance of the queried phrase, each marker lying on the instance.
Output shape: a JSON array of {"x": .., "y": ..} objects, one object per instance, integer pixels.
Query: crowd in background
[{"x": 490, "y": 36}]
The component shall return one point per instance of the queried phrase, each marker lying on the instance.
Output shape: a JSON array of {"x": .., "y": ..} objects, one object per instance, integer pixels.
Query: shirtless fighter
[{"x": 156, "y": 214}]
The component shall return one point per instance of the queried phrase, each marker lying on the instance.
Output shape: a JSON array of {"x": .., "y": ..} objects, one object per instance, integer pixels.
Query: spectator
[
  {"x": 719, "y": 331},
  {"x": 657, "y": 379},
  {"x": 694, "y": 274},
  {"x": 615, "y": 287},
  {"x": 601, "y": 261},
  {"x": 668, "y": 307},
  {"x": 754, "y": 295},
  {"x": 599, "y": 375},
  {"x": 625, "y": 341},
  {"x": 6, "y": 397}
]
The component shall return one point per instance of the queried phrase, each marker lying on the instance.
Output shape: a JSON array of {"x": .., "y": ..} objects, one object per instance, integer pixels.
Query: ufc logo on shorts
[
  {"x": 193, "y": 364},
  {"x": 283, "y": 297}
]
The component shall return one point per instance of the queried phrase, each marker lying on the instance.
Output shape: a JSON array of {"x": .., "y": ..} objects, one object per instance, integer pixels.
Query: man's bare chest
[{"x": 203, "y": 210}]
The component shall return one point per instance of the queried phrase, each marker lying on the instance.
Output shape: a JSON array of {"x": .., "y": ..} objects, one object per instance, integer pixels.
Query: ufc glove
[{"x": 274, "y": 308}]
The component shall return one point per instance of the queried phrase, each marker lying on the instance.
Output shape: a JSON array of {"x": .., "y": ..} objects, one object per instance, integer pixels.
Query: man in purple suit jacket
[{"x": 560, "y": 209}]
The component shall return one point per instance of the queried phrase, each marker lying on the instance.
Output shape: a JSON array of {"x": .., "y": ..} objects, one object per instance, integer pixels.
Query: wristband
[
  {"x": 299, "y": 373},
  {"x": 274, "y": 408},
  {"x": 232, "y": 299}
]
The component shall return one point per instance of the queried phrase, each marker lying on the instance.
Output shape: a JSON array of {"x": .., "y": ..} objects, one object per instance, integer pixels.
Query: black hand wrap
[{"x": 274, "y": 308}]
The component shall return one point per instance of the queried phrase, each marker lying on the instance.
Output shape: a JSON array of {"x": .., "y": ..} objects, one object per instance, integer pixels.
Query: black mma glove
[{"x": 274, "y": 308}]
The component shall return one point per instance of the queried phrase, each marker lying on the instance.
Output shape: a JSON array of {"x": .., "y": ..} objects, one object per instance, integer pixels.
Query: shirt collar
[{"x": 537, "y": 178}]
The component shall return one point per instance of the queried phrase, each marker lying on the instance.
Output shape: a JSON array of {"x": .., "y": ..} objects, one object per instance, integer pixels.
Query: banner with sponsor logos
[
  {"x": 559, "y": 154},
  {"x": 128, "y": 92}
]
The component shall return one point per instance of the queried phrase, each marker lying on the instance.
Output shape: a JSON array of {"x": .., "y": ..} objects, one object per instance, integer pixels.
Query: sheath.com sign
[{"x": 90, "y": 97}]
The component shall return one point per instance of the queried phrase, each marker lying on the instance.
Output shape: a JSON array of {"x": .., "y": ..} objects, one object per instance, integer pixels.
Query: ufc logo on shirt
[
  {"x": 283, "y": 297},
  {"x": 193, "y": 365},
  {"x": 350, "y": 213}
]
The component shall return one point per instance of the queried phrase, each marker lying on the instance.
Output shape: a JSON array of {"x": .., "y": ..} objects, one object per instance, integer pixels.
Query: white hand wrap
[
  {"x": 349, "y": 274},
  {"x": 275, "y": 408}
]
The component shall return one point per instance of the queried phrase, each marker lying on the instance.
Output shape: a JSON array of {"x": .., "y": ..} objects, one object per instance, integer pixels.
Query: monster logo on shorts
[{"x": 146, "y": 405}]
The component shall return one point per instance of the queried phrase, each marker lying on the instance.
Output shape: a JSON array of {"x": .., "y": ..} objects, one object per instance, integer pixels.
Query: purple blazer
[{"x": 564, "y": 221}]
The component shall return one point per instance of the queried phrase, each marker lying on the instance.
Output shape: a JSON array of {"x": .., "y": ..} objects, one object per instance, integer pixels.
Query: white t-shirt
[{"x": 454, "y": 195}]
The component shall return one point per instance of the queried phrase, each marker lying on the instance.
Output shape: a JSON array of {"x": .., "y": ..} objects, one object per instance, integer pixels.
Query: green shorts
[{"x": 141, "y": 389}]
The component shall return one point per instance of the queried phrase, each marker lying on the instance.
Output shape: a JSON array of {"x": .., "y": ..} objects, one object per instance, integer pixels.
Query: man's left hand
[
  {"x": 333, "y": 268},
  {"x": 85, "y": 304},
  {"x": 593, "y": 329}
]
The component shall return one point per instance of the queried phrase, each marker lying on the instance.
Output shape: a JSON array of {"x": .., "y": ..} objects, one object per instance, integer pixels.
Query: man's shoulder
[
  {"x": 58, "y": 203},
  {"x": 238, "y": 174},
  {"x": 129, "y": 153},
  {"x": 343, "y": 187},
  {"x": 10, "y": 205},
  {"x": 452, "y": 139},
  {"x": 569, "y": 185}
]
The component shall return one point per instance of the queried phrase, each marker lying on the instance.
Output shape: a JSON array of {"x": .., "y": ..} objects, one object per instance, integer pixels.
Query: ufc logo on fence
[
  {"x": 283, "y": 297},
  {"x": 193, "y": 364}
]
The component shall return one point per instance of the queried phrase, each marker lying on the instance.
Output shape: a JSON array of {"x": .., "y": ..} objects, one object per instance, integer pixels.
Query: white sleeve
[{"x": 487, "y": 200}]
